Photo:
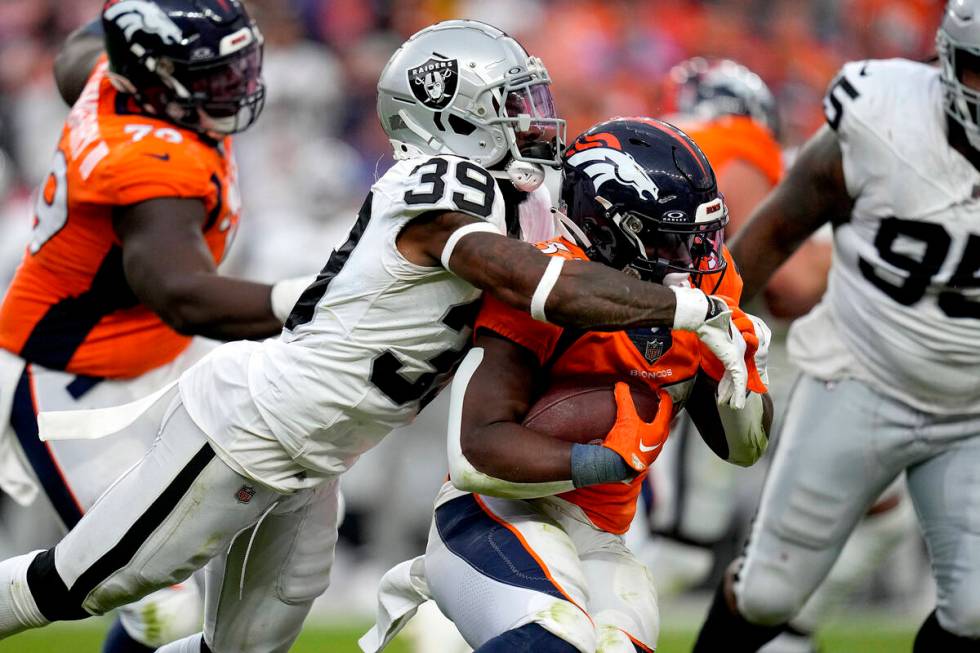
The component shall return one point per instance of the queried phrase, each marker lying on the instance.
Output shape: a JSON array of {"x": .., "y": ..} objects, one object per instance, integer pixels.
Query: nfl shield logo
[
  {"x": 654, "y": 350},
  {"x": 434, "y": 83},
  {"x": 245, "y": 494},
  {"x": 651, "y": 343}
]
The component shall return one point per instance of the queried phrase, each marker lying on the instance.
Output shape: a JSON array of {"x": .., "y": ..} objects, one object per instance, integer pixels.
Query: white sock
[
  {"x": 18, "y": 611},
  {"x": 190, "y": 644}
]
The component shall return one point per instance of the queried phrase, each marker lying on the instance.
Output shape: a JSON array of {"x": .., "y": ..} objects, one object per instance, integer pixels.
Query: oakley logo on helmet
[
  {"x": 604, "y": 164},
  {"x": 139, "y": 15},
  {"x": 435, "y": 82}
]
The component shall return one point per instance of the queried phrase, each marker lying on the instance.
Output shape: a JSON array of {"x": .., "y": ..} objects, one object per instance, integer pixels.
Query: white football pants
[
  {"x": 268, "y": 555},
  {"x": 71, "y": 474},
  {"x": 841, "y": 445},
  {"x": 493, "y": 565}
]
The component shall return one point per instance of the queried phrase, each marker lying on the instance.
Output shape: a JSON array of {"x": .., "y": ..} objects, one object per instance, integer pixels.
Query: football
[{"x": 584, "y": 413}]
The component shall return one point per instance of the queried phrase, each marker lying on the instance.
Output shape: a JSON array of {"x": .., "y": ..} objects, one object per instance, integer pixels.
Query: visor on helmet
[
  {"x": 669, "y": 245},
  {"x": 537, "y": 133},
  {"x": 224, "y": 96}
]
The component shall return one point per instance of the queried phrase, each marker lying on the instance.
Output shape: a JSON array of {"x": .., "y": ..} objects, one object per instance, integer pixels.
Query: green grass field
[{"x": 877, "y": 635}]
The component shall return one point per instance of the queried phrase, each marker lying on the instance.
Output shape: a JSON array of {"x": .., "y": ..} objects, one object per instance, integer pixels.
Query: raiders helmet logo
[
  {"x": 605, "y": 164},
  {"x": 133, "y": 16},
  {"x": 435, "y": 82}
]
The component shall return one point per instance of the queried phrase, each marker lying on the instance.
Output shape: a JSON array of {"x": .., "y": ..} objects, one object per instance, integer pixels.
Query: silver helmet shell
[
  {"x": 957, "y": 42},
  {"x": 466, "y": 88}
]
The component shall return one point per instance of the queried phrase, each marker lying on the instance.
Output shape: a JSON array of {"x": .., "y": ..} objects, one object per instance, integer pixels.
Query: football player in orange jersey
[
  {"x": 526, "y": 550},
  {"x": 730, "y": 112},
  {"x": 139, "y": 207},
  {"x": 691, "y": 501}
]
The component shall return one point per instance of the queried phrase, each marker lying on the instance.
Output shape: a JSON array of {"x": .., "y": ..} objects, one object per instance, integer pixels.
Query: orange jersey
[
  {"x": 657, "y": 358},
  {"x": 737, "y": 138},
  {"x": 69, "y": 306}
]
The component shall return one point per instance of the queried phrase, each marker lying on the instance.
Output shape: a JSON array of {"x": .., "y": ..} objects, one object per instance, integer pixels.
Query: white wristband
[
  {"x": 286, "y": 293},
  {"x": 456, "y": 236},
  {"x": 692, "y": 308},
  {"x": 545, "y": 286}
]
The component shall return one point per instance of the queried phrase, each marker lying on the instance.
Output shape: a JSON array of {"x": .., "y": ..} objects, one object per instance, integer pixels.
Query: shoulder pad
[
  {"x": 867, "y": 93},
  {"x": 145, "y": 161}
]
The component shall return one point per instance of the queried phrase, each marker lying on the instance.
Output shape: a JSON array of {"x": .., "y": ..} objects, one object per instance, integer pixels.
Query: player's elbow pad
[{"x": 745, "y": 430}]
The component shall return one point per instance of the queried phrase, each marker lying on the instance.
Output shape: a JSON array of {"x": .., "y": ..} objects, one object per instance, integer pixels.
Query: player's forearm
[
  {"x": 813, "y": 193},
  {"x": 739, "y": 436},
  {"x": 759, "y": 250},
  {"x": 747, "y": 429},
  {"x": 217, "y": 307},
  {"x": 595, "y": 297},
  {"x": 585, "y": 295},
  {"x": 510, "y": 452}
]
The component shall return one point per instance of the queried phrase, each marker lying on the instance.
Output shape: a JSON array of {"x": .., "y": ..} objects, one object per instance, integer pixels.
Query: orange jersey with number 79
[{"x": 69, "y": 306}]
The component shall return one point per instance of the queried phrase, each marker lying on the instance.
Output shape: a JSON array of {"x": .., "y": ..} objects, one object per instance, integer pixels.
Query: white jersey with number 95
[
  {"x": 366, "y": 345},
  {"x": 902, "y": 309}
]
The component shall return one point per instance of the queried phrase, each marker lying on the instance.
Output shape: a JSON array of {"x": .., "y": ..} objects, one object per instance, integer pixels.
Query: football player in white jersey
[
  {"x": 252, "y": 440},
  {"x": 889, "y": 358}
]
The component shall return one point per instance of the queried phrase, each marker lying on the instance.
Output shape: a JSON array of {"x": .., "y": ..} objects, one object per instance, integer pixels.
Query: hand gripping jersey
[
  {"x": 736, "y": 138},
  {"x": 366, "y": 346},
  {"x": 658, "y": 358},
  {"x": 69, "y": 306},
  {"x": 902, "y": 309}
]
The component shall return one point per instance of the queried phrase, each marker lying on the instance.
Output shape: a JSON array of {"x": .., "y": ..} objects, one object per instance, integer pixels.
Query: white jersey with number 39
[
  {"x": 365, "y": 346},
  {"x": 902, "y": 308}
]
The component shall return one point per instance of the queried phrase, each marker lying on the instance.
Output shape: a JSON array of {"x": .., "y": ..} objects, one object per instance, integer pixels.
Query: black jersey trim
[
  {"x": 306, "y": 306},
  {"x": 58, "y": 335}
]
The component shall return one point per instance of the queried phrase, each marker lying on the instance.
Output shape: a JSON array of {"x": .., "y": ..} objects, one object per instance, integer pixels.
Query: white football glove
[
  {"x": 286, "y": 293},
  {"x": 764, "y": 334},
  {"x": 711, "y": 319}
]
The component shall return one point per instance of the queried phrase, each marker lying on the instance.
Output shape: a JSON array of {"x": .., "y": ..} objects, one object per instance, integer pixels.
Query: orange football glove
[{"x": 636, "y": 441}]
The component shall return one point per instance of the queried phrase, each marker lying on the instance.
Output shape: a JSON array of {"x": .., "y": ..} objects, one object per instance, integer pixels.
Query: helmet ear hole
[{"x": 461, "y": 126}]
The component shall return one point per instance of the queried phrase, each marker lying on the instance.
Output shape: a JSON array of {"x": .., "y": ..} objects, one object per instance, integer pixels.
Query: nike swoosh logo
[
  {"x": 162, "y": 157},
  {"x": 646, "y": 449}
]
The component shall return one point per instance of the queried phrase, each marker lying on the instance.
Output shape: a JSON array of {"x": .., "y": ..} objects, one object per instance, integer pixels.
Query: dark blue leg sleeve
[
  {"x": 531, "y": 638},
  {"x": 119, "y": 641}
]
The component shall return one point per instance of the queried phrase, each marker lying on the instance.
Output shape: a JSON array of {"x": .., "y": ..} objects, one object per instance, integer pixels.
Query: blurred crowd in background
[{"x": 308, "y": 162}]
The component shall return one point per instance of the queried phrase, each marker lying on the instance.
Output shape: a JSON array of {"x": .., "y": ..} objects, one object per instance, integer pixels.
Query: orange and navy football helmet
[
  {"x": 641, "y": 197},
  {"x": 196, "y": 63}
]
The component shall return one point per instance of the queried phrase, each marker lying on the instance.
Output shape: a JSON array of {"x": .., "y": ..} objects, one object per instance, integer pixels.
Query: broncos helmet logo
[
  {"x": 133, "y": 16},
  {"x": 605, "y": 164}
]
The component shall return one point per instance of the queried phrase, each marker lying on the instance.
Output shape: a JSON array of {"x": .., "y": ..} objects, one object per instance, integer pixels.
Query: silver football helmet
[
  {"x": 466, "y": 88},
  {"x": 958, "y": 46}
]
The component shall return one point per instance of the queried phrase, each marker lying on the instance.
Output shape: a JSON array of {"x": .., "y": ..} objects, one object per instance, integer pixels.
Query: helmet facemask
[
  {"x": 672, "y": 244},
  {"x": 535, "y": 133},
  {"x": 962, "y": 101},
  {"x": 527, "y": 116},
  {"x": 218, "y": 97}
]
